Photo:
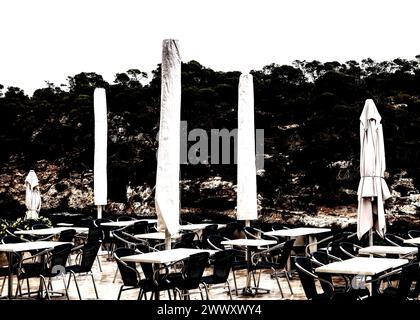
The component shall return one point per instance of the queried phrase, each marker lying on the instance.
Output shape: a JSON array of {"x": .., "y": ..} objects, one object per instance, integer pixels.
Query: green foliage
[
  {"x": 3, "y": 226},
  {"x": 21, "y": 223},
  {"x": 24, "y": 224}
]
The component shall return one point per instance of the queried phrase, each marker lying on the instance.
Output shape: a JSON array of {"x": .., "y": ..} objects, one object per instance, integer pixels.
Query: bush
[{"x": 23, "y": 224}]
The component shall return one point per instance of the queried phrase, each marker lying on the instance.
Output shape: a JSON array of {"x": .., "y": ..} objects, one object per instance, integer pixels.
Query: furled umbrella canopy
[
  {"x": 167, "y": 195},
  {"x": 247, "y": 172},
  {"x": 33, "y": 196},
  {"x": 373, "y": 190},
  {"x": 100, "y": 186}
]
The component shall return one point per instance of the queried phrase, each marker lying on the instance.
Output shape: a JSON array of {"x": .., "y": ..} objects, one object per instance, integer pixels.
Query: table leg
[
  {"x": 248, "y": 290},
  {"x": 10, "y": 277}
]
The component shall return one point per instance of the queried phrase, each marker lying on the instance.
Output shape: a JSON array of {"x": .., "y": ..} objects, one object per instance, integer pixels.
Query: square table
[
  {"x": 11, "y": 248},
  {"x": 164, "y": 257},
  {"x": 383, "y": 250},
  {"x": 300, "y": 232},
  {"x": 50, "y": 231},
  {"x": 249, "y": 243},
  {"x": 362, "y": 266}
]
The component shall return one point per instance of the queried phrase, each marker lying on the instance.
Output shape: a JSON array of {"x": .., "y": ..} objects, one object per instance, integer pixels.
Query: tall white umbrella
[
  {"x": 167, "y": 195},
  {"x": 373, "y": 190},
  {"x": 33, "y": 196},
  {"x": 247, "y": 172},
  {"x": 100, "y": 186}
]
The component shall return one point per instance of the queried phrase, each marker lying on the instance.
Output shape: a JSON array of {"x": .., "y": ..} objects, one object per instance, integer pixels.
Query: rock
[{"x": 408, "y": 209}]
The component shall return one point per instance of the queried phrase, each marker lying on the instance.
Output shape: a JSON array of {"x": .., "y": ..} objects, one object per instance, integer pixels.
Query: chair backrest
[
  {"x": 394, "y": 240},
  {"x": 127, "y": 270},
  {"x": 308, "y": 282},
  {"x": 286, "y": 252},
  {"x": 414, "y": 233},
  {"x": 59, "y": 256},
  {"x": 67, "y": 235},
  {"x": 207, "y": 231},
  {"x": 11, "y": 239},
  {"x": 215, "y": 240},
  {"x": 348, "y": 249},
  {"x": 234, "y": 230},
  {"x": 95, "y": 234},
  {"x": 98, "y": 222},
  {"x": 409, "y": 274},
  {"x": 40, "y": 226},
  {"x": 125, "y": 218},
  {"x": 123, "y": 239},
  {"x": 277, "y": 226},
  {"x": 106, "y": 230},
  {"x": 320, "y": 257},
  {"x": 186, "y": 241},
  {"x": 89, "y": 253},
  {"x": 87, "y": 222},
  {"x": 11, "y": 231},
  {"x": 138, "y": 227},
  {"x": 222, "y": 264},
  {"x": 193, "y": 270},
  {"x": 252, "y": 233}
]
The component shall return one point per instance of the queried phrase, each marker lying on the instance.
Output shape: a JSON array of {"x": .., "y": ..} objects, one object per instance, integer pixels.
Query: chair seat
[
  {"x": 31, "y": 270},
  {"x": 211, "y": 280},
  {"x": 76, "y": 268}
]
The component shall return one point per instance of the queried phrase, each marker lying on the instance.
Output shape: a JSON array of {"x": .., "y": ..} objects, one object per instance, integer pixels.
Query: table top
[
  {"x": 164, "y": 256},
  {"x": 155, "y": 236},
  {"x": 28, "y": 246},
  {"x": 126, "y": 223},
  {"x": 197, "y": 226},
  {"x": 362, "y": 265},
  {"x": 50, "y": 231},
  {"x": 413, "y": 241},
  {"x": 64, "y": 224},
  {"x": 388, "y": 249},
  {"x": 249, "y": 242},
  {"x": 296, "y": 232}
]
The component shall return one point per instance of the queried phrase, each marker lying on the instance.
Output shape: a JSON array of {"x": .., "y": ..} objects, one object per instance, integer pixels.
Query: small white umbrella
[
  {"x": 33, "y": 196},
  {"x": 373, "y": 190},
  {"x": 100, "y": 186},
  {"x": 247, "y": 172},
  {"x": 167, "y": 197}
]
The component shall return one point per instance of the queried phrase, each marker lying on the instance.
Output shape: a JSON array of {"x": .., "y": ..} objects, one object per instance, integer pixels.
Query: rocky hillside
[{"x": 309, "y": 113}]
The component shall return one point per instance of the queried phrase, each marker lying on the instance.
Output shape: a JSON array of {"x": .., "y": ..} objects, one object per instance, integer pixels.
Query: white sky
[{"x": 52, "y": 39}]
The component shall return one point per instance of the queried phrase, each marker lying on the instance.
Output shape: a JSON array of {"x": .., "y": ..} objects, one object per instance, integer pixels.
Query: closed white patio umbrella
[
  {"x": 247, "y": 172},
  {"x": 100, "y": 181},
  {"x": 33, "y": 196},
  {"x": 372, "y": 190},
  {"x": 167, "y": 195}
]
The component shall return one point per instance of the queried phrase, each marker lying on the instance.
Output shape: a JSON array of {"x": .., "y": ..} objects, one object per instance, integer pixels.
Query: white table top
[
  {"x": 165, "y": 256},
  {"x": 197, "y": 226},
  {"x": 155, "y": 236},
  {"x": 249, "y": 242},
  {"x": 126, "y": 223},
  {"x": 388, "y": 249},
  {"x": 50, "y": 231},
  {"x": 413, "y": 241},
  {"x": 28, "y": 246},
  {"x": 362, "y": 265},
  {"x": 296, "y": 232}
]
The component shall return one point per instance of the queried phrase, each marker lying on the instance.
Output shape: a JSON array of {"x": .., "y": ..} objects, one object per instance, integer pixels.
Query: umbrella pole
[
  {"x": 99, "y": 212},
  {"x": 167, "y": 240},
  {"x": 370, "y": 238},
  {"x": 247, "y": 223}
]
